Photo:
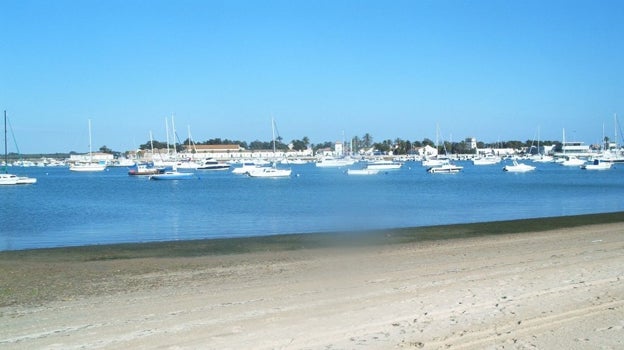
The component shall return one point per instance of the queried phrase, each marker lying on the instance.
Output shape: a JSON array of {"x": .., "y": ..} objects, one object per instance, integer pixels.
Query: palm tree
[{"x": 367, "y": 139}]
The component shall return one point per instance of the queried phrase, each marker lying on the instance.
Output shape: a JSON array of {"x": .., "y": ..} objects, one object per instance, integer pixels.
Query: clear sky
[{"x": 488, "y": 69}]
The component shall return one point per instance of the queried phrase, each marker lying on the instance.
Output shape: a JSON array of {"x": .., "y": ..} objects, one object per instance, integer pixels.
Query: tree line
[{"x": 365, "y": 142}]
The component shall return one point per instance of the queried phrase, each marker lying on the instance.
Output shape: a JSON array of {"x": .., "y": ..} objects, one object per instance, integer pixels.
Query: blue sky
[{"x": 488, "y": 69}]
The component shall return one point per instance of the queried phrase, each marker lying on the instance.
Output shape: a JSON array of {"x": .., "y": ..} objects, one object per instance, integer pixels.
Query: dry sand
[{"x": 559, "y": 289}]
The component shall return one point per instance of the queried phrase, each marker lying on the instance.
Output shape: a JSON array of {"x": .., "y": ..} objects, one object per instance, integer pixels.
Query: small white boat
[
  {"x": 10, "y": 179},
  {"x": 597, "y": 165},
  {"x": 91, "y": 166},
  {"x": 434, "y": 162},
  {"x": 87, "y": 167},
  {"x": 445, "y": 169},
  {"x": 211, "y": 164},
  {"x": 330, "y": 162},
  {"x": 518, "y": 167},
  {"x": 543, "y": 159},
  {"x": 490, "y": 159},
  {"x": 273, "y": 171},
  {"x": 383, "y": 165},
  {"x": 244, "y": 169},
  {"x": 572, "y": 161},
  {"x": 269, "y": 172},
  {"x": 172, "y": 175},
  {"x": 365, "y": 171}
]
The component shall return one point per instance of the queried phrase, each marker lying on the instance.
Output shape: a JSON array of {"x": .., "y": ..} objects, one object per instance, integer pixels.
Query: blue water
[{"x": 69, "y": 209}]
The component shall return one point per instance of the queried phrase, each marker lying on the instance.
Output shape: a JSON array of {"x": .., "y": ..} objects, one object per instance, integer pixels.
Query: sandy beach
[{"x": 556, "y": 289}]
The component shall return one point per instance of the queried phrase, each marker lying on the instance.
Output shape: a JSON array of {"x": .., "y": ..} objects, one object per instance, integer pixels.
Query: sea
[{"x": 72, "y": 209}]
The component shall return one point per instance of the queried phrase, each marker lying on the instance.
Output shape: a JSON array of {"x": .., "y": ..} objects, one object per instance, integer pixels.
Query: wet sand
[{"x": 560, "y": 288}]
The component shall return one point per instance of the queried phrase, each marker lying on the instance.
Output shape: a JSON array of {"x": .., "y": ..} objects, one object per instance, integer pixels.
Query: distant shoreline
[{"x": 296, "y": 241}]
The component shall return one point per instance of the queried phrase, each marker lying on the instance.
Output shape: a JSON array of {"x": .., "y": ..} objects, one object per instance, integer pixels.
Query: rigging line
[{"x": 19, "y": 154}]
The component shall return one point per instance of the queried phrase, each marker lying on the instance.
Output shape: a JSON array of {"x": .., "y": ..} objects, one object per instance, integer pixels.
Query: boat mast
[
  {"x": 175, "y": 151},
  {"x": 90, "y": 150},
  {"x": 616, "y": 133},
  {"x": 273, "y": 134},
  {"x": 538, "y": 140},
  {"x": 167, "y": 132},
  {"x": 6, "y": 154},
  {"x": 152, "y": 145}
]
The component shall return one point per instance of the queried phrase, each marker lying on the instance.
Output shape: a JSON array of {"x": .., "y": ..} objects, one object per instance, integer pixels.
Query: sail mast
[
  {"x": 6, "y": 154},
  {"x": 273, "y": 134},
  {"x": 175, "y": 151},
  {"x": 90, "y": 150},
  {"x": 167, "y": 132}
]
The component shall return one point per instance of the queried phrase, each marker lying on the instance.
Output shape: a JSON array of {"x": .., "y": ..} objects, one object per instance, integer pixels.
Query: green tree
[
  {"x": 367, "y": 140},
  {"x": 105, "y": 149}
]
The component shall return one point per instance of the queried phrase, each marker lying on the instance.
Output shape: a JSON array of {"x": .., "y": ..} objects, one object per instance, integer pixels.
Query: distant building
[
  {"x": 338, "y": 149},
  {"x": 427, "y": 151},
  {"x": 213, "y": 148},
  {"x": 471, "y": 142}
]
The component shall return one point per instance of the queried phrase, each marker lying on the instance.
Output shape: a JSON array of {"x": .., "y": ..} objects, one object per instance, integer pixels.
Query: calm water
[{"x": 67, "y": 209}]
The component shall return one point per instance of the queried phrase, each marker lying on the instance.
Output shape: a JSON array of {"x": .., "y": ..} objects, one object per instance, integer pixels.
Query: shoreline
[
  {"x": 295, "y": 241},
  {"x": 492, "y": 285}
]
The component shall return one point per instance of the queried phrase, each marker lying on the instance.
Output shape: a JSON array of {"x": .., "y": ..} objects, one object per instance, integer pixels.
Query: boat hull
[{"x": 172, "y": 176}]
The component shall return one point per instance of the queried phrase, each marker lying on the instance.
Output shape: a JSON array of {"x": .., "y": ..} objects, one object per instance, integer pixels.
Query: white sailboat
[
  {"x": 11, "y": 179},
  {"x": 173, "y": 174},
  {"x": 446, "y": 167},
  {"x": 90, "y": 166},
  {"x": 273, "y": 171}
]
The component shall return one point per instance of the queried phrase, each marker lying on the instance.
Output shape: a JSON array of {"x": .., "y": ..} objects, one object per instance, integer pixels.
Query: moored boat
[
  {"x": 11, "y": 179},
  {"x": 597, "y": 165},
  {"x": 365, "y": 171},
  {"x": 144, "y": 170},
  {"x": 269, "y": 172},
  {"x": 212, "y": 164},
  {"x": 383, "y": 165},
  {"x": 90, "y": 166},
  {"x": 445, "y": 169},
  {"x": 518, "y": 167},
  {"x": 172, "y": 175}
]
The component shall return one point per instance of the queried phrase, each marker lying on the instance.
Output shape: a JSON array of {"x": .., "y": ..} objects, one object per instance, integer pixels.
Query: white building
[{"x": 339, "y": 149}]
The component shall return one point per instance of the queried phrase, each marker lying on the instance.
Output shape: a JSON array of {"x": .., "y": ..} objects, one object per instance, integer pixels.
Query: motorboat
[
  {"x": 597, "y": 165},
  {"x": 518, "y": 167},
  {"x": 10, "y": 179},
  {"x": 383, "y": 165},
  {"x": 245, "y": 168},
  {"x": 269, "y": 172},
  {"x": 572, "y": 161},
  {"x": 445, "y": 169},
  {"x": 365, "y": 171},
  {"x": 434, "y": 162},
  {"x": 172, "y": 175},
  {"x": 330, "y": 162},
  {"x": 143, "y": 169},
  {"x": 490, "y": 159},
  {"x": 87, "y": 167},
  {"x": 211, "y": 164}
]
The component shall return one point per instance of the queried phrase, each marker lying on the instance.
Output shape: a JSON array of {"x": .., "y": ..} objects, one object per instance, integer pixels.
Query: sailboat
[
  {"x": 90, "y": 166},
  {"x": 446, "y": 167},
  {"x": 173, "y": 174},
  {"x": 11, "y": 179},
  {"x": 270, "y": 171}
]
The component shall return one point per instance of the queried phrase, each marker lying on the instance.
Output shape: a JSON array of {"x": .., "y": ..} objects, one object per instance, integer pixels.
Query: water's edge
[{"x": 284, "y": 242}]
